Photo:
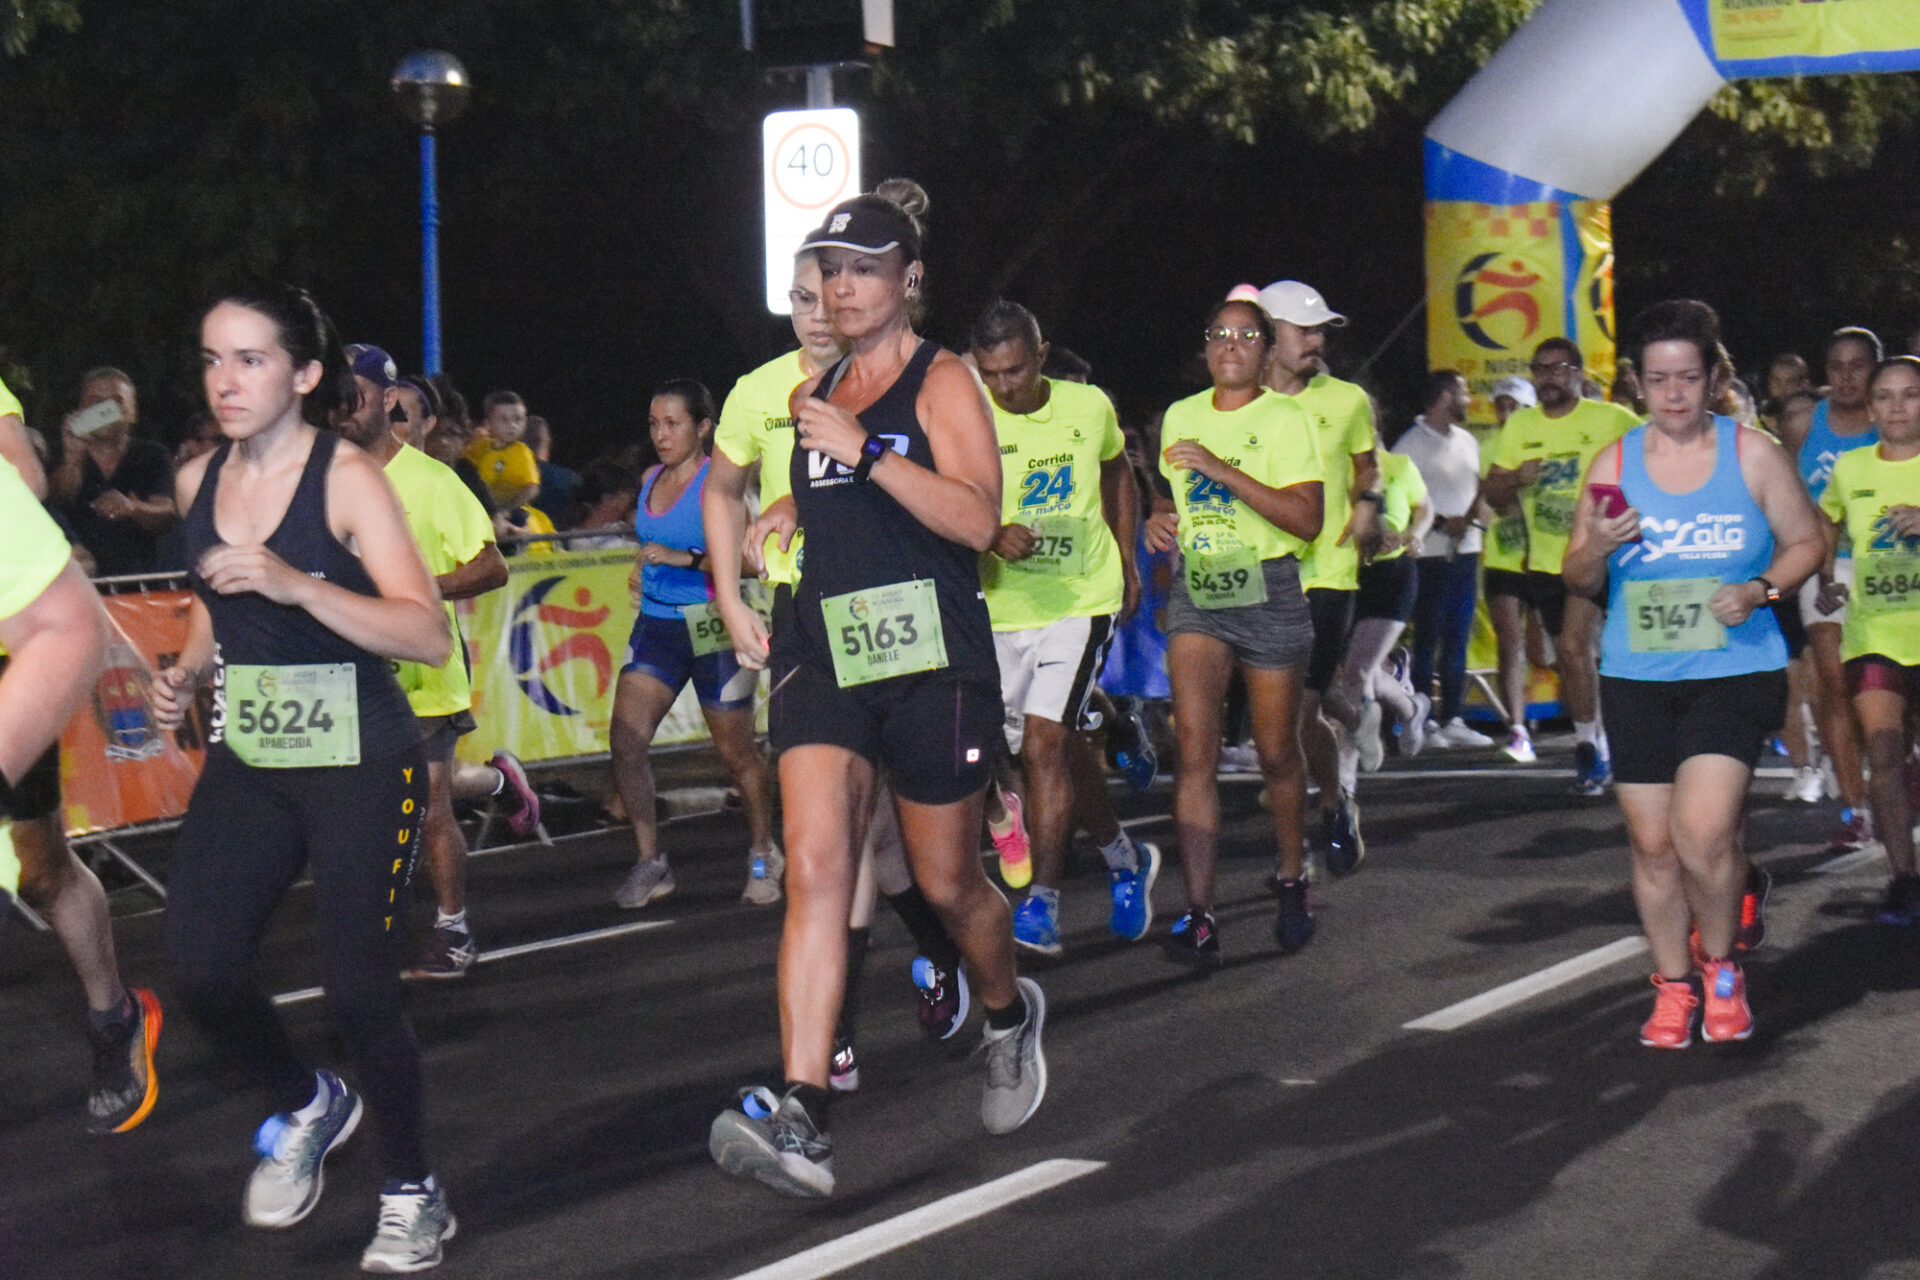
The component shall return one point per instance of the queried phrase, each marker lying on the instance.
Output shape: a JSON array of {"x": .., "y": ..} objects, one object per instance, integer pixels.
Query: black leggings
[{"x": 248, "y": 832}]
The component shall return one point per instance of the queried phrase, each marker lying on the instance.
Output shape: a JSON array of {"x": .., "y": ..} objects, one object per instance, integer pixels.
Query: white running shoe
[
  {"x": 1519, "y": 748},
  {"x": 1456, "y": 734},
  {"x": 1239, "y": 760},
  {"x": 1366, "y": 737},
  {"x": 763, "y": 876},
  {"x": 414, "y": 1223},
  {"x": 1413, "y": 734},
  {"x": 1806, "y": 786},
  {"x": 1434, "y": 738}
]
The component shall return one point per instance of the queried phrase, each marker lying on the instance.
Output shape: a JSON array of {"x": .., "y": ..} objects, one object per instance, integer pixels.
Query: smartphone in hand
[
  {"x": 95, "y": 418},
  {"x": 1612, "y": 500}
]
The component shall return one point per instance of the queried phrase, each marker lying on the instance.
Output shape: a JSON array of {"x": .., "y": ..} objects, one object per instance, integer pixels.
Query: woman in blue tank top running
[
  {"x": 307, "y": 581},
  {"x": 889, "y": 664},
  {"x": 1691, "y": 525}
]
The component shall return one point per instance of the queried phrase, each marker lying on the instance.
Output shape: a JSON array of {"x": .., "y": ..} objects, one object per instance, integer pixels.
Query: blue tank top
[
  {"x": 251, "y": 630},
  {"x": 666, "y": 589},
  {"x": 1655, "y": 587},
  {"x": 1820, "y": 450}
]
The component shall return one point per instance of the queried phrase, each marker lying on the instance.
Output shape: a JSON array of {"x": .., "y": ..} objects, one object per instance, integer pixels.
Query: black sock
[
  {"x": 1009, "y": 1018},
  {"x": 816, "y": 1100},
  {"x": 858, "y": 940},
  {"x": 119, "y": 1016},
  {"x": 929, "y": 935}
]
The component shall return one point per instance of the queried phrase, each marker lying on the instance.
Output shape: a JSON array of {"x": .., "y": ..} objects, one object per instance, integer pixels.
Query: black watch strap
[
  {"x": 869, "y": 454},
  {"x": 1773, "y": 592}
]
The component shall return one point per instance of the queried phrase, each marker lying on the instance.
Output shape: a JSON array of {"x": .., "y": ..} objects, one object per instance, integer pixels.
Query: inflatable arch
[{"x": 1521, "y": 166}]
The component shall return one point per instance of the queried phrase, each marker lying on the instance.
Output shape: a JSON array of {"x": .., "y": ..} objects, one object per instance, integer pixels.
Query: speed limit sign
[{"x": 810, "y": 162}]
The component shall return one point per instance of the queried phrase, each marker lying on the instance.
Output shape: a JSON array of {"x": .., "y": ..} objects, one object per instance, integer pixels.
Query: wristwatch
[
  {"x": 1773, "y": 592},
  {"x": 869, "y": 454}
]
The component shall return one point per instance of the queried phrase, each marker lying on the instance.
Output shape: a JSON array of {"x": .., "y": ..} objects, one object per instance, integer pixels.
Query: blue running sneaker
[
  {"x": 1902, "y": 906},
  {"x": 1133, "y": 894},
  {"x": 1138, "y": 763},
  {"x": 1594, "y": 775},
  {"x": 1036, "y": 924}
]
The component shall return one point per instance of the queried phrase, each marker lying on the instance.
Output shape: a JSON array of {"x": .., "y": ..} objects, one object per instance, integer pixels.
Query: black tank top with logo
[
  {"x": 251, "y": 630},
  {"x": 858, "y": 537}
]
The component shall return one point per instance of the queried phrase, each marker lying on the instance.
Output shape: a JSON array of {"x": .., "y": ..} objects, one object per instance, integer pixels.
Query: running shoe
[
  {"x": 414, "y": 1223},
  {"x": 1135, "y": 757},
  {"x": 943, "y": 997},
  {"x": 1293, "y": 927},
  {"x": 1340, "y": 837},
  {"x": 1436, "y": 739},
  {"x": 125, "y": 1085},
  {"x": 1194, "y": 940},
  {"x": 650, "y": 878},
  {"x": 1133, "y": 894},
  {"x": 1725, "y": 1015},
  {"x": 286, "y": 1184},
  {"x": 843, "y": 1074},
  {"x": 1413, "y": 734},
  {"x": 449, "y": 954},
  {"x": 1036, "y": 925},
  {"x": 1806, "y": 786},
  {"x": 1592, "y": 774},
  {"x": 1671, "y": 1026},
  {"x": 1455, "y": 733},
  {"x": 1902, "y": 905},
  {"x": 521, "y": 800},
  {"x": 1519, "y": 748},
  {"x": 1366, "y": 737},
  {"x": 774, "y": 1140},
  {"x": 1400, "y": 666},
  {"x": 1242, "y": 759},
  {"x": 1016, "y": 852},
  {"x": 1016, "y": 1066},
  {"x": 1753, "y": 910},
  {"x": 763, "y": 877},
  {"x": 1855, "y": 832}
]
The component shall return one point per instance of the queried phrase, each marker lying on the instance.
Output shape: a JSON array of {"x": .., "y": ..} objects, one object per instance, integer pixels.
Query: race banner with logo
[
  {"x": 1809, "y": 37},
  {"x": 1501, "y": 278},
  {"x": 116, "y": 769}
]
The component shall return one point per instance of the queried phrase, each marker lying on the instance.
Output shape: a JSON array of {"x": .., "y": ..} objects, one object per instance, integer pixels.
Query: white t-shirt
[{"x": 1450, "y": 464}]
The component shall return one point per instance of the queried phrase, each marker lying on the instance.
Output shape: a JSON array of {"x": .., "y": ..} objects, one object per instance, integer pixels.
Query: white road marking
[
  {"x": 884, "y": 1237},
  {"x": 507, "y": 953},
  {"x": 1487, "y": 1003}
]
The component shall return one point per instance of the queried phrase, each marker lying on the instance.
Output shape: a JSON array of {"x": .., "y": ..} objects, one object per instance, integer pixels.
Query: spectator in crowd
[
  {"x": 502, "y": 456},
  {"x": 559, "y": 486},
  {"x": 115, "y": 489}
]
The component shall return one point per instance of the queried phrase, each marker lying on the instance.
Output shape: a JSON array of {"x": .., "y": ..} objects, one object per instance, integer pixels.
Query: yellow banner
[
  {"x": 1751, "y": 30},
  {"x": 1498, "y": 284}
]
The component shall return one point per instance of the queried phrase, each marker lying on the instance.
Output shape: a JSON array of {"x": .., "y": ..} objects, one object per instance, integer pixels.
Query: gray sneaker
[
  {"x": 1016, "y": 1067},
  {"x": 650, "y": 878},
  {"x": 286, "y": 1183},
  {"x": 763, "y": 877},
  {"x": 774, "y": 1140},
  {"x": 414, "y": 1223}
]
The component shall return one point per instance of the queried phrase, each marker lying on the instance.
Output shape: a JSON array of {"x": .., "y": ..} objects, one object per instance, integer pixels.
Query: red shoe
[
  {"x": 1671, "y": 1026},
  {"x": 1726, "y": 1016},
  {"x": 517, "y": 796},
  {"x": 1753, "y": 911}
]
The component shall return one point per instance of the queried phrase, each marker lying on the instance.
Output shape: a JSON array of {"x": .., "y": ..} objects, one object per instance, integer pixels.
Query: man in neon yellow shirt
[
  {"x": 1540, "y": 456},
  {"x": 35, "y": 859},
  {"x": 456, "y": 540},
  {"x": 1342, "y": 418},
  {"x": 1056, "y": 577}
]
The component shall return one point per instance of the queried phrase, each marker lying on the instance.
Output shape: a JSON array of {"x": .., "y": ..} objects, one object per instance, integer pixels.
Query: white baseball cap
[
  {"x": 1299, "y": 304},
  {"x": 1519, "y": 390}
]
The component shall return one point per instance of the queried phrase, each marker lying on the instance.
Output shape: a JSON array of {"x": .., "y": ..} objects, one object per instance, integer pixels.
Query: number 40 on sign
[{"x": 810, "y": 162}]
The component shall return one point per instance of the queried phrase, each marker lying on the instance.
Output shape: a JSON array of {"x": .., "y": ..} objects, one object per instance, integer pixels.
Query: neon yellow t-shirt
[
  {"x": 1050, "y": 482},
  {"x": 1883, "y": 607},
  {"x": 33, "y": 551},
  {"x": 10, "y": 404},
  {"x": 1271, "y": 439},
  {"x": 1342, "y": 417},
  {"x": 507, "y": 471},
  {"x": 1566, "y": 446},
  {"x": 1403, "y": 487},
  {"x": 451, "y": 528},
  {"x": 1505, "y": 546},
  {"x": 756, "y": 425}
]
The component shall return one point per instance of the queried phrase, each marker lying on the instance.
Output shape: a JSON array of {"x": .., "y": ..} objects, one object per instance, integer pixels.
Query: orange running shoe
[
  {"x": 1016, "y": 853},
  {"x": 1671, "y": 1026},
  {"x": 1726, "y": 1016}
]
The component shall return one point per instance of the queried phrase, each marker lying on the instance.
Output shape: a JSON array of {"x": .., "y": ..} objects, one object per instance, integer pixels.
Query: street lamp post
[{"x": 431, "y": 87}]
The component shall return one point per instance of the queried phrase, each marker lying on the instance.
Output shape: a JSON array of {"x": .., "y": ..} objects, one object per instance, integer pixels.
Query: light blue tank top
[
  {"x": 666, "y": 589},
  {"x": 1818, "y": 453},
  {"x": 1658, "y": 626}
]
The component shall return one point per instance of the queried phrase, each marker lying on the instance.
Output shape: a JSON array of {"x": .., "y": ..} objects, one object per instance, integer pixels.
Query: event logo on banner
[
  {"x": 116, "y": 768},
  {"x": 1502, "y": 278},
  {"x": 1756, "y": 30}
]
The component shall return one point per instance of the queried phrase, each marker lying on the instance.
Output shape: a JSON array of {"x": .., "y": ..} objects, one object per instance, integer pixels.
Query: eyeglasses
[
  {"x": 1246, "y": 337},
  {"x": 802, "y": 301},
  {"x": 1548, "y": 370}
]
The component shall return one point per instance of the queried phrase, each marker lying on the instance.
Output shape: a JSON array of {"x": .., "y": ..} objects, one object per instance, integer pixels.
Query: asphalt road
[{"x": 1277, "y": 1119}]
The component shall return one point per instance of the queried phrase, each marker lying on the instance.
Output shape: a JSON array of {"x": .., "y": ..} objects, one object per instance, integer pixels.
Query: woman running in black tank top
[
  {"x": 308, "y": 581},
  {"x": 889, "y": 664}
]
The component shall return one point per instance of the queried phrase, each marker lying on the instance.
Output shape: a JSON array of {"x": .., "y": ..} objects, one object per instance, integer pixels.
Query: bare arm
[
  {"x": 56, "y": 644},
  {"x": 485, "y": 572},
  {"x": 1595, "y": 537},
  {"x": 1800, "y": 533},
  {"x": 723, "y": 518},
  {"x": 1120, "y": 507}
]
